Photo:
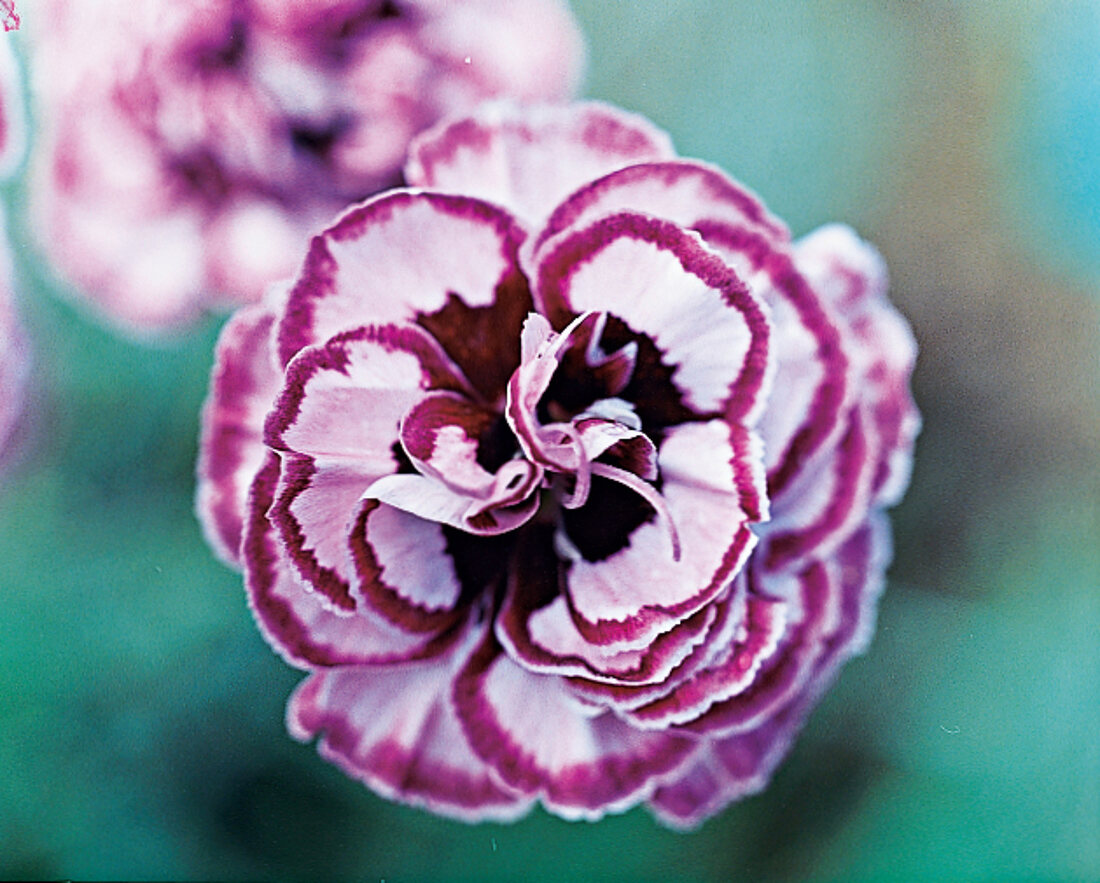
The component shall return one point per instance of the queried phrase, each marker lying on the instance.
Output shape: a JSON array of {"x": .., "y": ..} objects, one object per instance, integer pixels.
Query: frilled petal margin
[
  {"x": 407, "y": 255},
  {"x": 394, "y": 727},
  {"x": 584, "y": 766},
  {"x": 301, "y": 625},
  {"x": 232, "y": 452},
  {"x": 336, "y": 422},
  {"x": 740, "y": 764},
  {"x": 531, "y": 163}
]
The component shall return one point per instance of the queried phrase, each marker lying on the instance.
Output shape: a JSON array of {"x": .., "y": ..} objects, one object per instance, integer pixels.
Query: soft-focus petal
[
  {"x": 13, "y": 119},
  {"x": 187, "y": 149},
  {"x": 244, "y": 382},
  {"x": 531, "y": 162}
]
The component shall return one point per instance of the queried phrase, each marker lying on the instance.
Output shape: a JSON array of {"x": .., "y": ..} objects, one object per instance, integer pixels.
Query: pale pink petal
[
  {"x": 399, "y": 258},
  {"x": 300, "y": 625},
  {"x": 346, "y": 398},
  {"x": 852, "y": 276},
  {"x": 658, "y": 280},
  {"x": 814, "y": 613},
  {"x": 442, "y": 434},
  {"x": 640, "y": 591},
  {"x": 724, "y": 620},
  {"x": 338, "y": 418},
  {"x": 827, "y": 501},
  {"x": 691, "y": 194},
  {"x": 243, "y": 386},
  {"x": 315, "y": 504},
  {"x": 394, "y": 727},
  {"x": 583, "y": 766},
  {"x": 737, "y": 765},
  {"x": 761, "y": 631},
  {"x": 813, "y": 379},
  {"x": 726, "y": 770},
  {"x": 210, "y": 139},
  {"x": 404, "y": 570},
  {"x": 534, "y": 625},
  {"x": 531, "y": 162},
  {"x": 508, "y": 501}
]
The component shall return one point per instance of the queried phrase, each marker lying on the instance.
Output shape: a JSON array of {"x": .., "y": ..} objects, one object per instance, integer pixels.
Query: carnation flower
[
  {"x": 563, "y": 473},
  {"x": 189, "y": 146}
]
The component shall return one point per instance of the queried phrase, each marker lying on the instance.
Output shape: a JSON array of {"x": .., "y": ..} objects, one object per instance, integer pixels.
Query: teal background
[{"x": 141, "y": 730}]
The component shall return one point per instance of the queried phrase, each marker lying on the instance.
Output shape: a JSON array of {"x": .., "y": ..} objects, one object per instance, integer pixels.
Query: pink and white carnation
[
  {"x": 188, "y": 147},
  {"x": 561, "y": 473}
]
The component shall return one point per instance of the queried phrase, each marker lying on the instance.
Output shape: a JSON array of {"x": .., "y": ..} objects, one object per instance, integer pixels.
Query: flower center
[
  {"x": 604, "y": 440},
  {"x": 550, "y": 467}
]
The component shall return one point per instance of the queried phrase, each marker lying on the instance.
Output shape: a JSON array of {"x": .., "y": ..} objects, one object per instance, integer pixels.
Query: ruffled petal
[
  {"x": 689, "y": 193},
  {"x": 726, "y": 770},
  {"x": 640, "y": 591},
  {"x": 534, "y": 625},
  {"x": 300, "y": 625},
  {"x": 403, "y": 569},
  {"x": 337, "y": 418},
  {"x": 827, "y": 502},
  {"x": 394, "y": 727},
  {"x": 707, "y": 329},
  {"x": 584, "y": 766},
  {"x": 852, "y": 276},
  {"x": 345, "y": 399},
  {"x": 813, "y": 380},
  {"x": 530, "y": 162},
  {"x": 315, "y": 502},
  {"x": 734, "y": 766},
  {"x": 405, "y": 257},
  {"x": 243, "y": 385}
]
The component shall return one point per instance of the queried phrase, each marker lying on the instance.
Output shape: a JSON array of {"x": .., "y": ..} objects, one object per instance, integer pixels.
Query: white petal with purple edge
[
  {"x": 584, "y": 765},
  {"x": 641, "y": 591},
  {"x": 231, "y": 450},
  {"x": 395, "y": 257},
  {"x": 394, "y": 727},
  {"x": 298, "y": 624},
  {"x": 687, "y": 192},
  {"x": 662, "y": 282},
  {"x": 530, "y": 163}
]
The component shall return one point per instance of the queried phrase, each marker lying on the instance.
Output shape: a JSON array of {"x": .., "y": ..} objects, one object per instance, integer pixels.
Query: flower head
[
  {"x": 561, "y": 474},
  {"x": 190, "y": 146}
]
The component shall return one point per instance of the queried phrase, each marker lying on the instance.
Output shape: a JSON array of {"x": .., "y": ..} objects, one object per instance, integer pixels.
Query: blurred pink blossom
[
  {"x": 563, "y": 474},
  {"x": 189, "y": 146}
]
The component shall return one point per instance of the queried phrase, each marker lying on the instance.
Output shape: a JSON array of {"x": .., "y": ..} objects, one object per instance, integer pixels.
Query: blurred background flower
[
  {"x": 186, "y": 150},
  {"x": 142, "y": 728}
]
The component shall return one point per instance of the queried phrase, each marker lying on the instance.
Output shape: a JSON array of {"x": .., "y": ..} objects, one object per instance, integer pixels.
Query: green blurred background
[{"x": 141, "y": 728}]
